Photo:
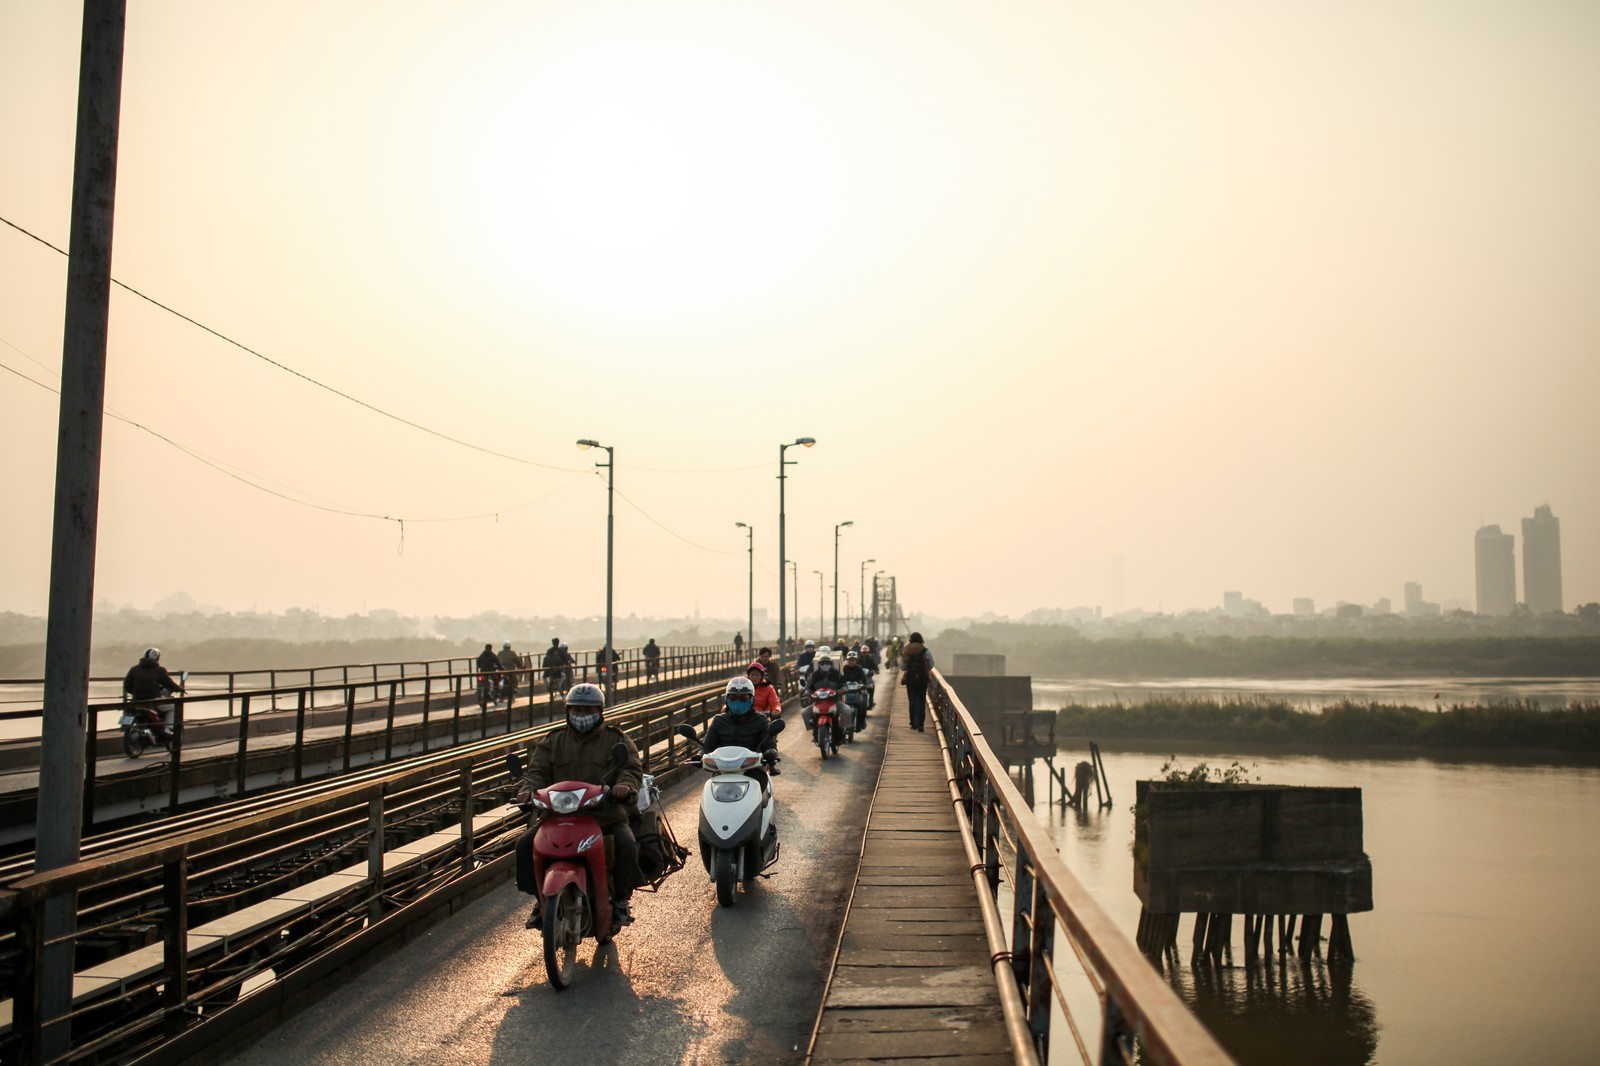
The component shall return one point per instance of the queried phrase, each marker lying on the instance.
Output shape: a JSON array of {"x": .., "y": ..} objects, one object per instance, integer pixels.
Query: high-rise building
[
  {"x": 1305, "y": 607},
  {"x": 1416, "y": 606},
  {"x": 1541, "y": 561},
  {"x": 1497, "y": 571}
]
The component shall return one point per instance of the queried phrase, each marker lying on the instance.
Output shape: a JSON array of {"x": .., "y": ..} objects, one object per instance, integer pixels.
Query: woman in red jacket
[{"x": 767, "y": 701}]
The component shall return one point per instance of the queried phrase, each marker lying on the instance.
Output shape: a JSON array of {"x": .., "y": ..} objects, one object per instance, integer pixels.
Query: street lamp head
[
  {"x": 741, "y": 525},
  {"x": 807, "y": 441},
  {"x": 843, "y": 524},
  {"x": 869, "y": 561},
  {"x": 587, "y": 444}
]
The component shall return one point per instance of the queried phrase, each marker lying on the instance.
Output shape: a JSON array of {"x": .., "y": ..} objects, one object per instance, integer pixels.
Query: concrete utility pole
[{"x": 77, "y": 500}]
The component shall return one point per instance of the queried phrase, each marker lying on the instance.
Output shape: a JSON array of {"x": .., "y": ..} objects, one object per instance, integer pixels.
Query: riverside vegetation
[{"x": 1518, "y": 725}]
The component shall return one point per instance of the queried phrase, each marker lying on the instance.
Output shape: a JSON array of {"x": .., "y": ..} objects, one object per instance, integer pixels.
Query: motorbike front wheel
[
  {"x": 825, "y": 740},
  {"x": 723, "y": 869},
  {"x": 134, "y": 741},
  {"x": 565, "y": 915}
]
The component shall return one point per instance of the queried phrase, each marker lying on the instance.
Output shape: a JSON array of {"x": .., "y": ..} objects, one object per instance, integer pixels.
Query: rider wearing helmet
[
  {"x": 806, "y": 657},
  {"x": 149, "y": 680},
  {"x": 739, "y": 725},
  {"x": 767, "y": 701},
  {"x": 510, "y": 663},
  {"x": 824, "y": 674},
  {"x": 582, "y": 752}
]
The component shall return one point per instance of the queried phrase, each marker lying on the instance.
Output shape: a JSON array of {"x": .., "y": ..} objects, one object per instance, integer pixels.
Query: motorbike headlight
[
  {"x": 730, "y": 791},
  {"x": 565, "y": 802}
]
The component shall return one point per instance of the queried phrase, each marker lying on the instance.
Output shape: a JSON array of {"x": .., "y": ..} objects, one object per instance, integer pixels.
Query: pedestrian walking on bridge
[{"x": 916, "y": 667}]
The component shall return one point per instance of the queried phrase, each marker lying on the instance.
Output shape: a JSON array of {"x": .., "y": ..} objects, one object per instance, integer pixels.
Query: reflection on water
[
  {"x": 1260, "y": 1011},
  {"x": 1480, "y": 946}
]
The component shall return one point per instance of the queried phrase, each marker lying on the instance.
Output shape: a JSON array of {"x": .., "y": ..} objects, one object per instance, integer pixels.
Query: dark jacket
[
  {"x": 148, "y": 681},
  {"x": 803, "y": 660},
  {"x": 567, "y": 755},
  {"x": 854, "y": 673},
  {"x": 487, "y": 660},
  {"x": 738, "y": 731},
  {"x": 916, "y": 650},
  {"x": 820, "y": 678}
]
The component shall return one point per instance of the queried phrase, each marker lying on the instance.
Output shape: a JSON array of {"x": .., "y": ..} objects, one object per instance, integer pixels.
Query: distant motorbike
[
  {"x": 486, "y": 691},
  {"x": 738, "y": 835},
  {"x": 856, "y": 696},
  {"x": 823, "y": 721},
  {"x": 571, "y": 865},
  {"x": 147, "y": 723}
]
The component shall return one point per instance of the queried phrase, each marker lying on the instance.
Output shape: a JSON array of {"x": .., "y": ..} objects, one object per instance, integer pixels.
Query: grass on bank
[{"x": 1508, "y": 725}]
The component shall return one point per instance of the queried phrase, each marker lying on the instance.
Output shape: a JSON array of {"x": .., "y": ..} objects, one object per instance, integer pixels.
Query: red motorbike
[
  {"x": 823, "y": 720},
  {"x": 571, "y": 860}
]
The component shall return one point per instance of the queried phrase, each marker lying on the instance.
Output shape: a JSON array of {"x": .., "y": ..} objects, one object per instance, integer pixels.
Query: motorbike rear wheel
[
  {"x": 723, "y": 870},
  {"x": 134, "y": 741},
  {"x": 565, "y": 915}
]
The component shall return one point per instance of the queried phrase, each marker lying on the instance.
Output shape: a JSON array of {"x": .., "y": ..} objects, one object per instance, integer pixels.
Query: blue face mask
[{"x": 740, "y": 706}]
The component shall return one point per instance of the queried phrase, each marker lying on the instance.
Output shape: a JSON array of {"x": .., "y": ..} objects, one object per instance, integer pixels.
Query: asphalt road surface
[{"x": 688, "y": 982}]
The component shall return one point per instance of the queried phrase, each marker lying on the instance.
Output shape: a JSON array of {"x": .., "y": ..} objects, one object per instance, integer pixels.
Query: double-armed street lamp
[
  {"x": 607, "y": 670},
  {"x": 861, "y": 604},
  {"x": 750, "y": 622},
  {"x": 782, "y": 556},
  {"x": 836, "y": 529}
]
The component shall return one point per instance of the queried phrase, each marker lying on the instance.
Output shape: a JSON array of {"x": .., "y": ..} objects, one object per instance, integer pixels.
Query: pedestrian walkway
[{"x": 912, "y": 981}]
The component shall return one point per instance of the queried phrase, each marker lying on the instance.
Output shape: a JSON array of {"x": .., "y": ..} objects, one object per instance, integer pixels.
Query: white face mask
[{"x": 583, "y": 722}]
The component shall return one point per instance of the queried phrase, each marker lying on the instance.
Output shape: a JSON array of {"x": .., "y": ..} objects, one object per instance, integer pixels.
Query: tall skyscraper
[
  {"x": 1497, "y": 571},
  {"x": 1541, "y": 561}
]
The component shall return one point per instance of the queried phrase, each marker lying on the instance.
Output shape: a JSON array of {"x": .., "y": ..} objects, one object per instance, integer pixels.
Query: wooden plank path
[{"x": 912, "y": 982}]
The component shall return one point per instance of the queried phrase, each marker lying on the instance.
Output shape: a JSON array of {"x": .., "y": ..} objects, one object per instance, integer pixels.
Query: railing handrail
[{"x": 1164, "y": 1026}]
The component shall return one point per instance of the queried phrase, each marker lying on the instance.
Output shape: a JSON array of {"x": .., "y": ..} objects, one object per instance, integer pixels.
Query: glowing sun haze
[{"x": 1282, "y": 297}]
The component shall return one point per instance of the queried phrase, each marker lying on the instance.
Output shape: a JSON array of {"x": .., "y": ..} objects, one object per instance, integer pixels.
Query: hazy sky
[{"x": 1284, "y": 297}]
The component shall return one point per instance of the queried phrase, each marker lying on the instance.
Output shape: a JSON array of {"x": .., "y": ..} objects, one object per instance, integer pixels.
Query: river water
[
  {"x": 1314, "y": 693},
  {"x": 1481, "y": 944}
]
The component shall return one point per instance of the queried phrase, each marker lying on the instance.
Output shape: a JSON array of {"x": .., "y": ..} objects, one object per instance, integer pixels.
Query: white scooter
[{"x": 738, "y": 834}]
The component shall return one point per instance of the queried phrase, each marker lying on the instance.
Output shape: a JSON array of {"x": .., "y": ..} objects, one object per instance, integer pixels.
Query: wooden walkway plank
[{"x": 912, "y": 983}]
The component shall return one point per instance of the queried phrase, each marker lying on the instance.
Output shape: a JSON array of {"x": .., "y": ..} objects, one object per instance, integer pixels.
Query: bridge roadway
[{"x": 690, "y": 981}]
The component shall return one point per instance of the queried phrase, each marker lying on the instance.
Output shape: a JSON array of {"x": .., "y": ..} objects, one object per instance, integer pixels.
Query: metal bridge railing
[
  {"x": 178, "y": 941},
  {"x": 20, "y": 697},
  {"x": 1062, "y": 951}
]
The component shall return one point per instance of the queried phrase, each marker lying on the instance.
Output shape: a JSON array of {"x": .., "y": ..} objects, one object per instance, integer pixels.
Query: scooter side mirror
[
  {"x": 183, "y": 677},
  {"x": 775, "y": 728},
  {"x": 686, "y": 732},
  {"x": 514, "y": 763},
  {"x": 619, "y": 755}
]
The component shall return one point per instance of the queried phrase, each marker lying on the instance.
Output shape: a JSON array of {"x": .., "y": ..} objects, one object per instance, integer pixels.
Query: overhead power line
[{"x": 356, "y": 399}]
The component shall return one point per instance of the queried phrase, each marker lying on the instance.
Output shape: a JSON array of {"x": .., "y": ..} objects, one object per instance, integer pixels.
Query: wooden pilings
[{"x": 1213, "y": 937}]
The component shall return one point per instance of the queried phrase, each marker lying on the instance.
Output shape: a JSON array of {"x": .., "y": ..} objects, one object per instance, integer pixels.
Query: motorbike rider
[
  {"x": 807, "y": 657},
  {"x": 768, "y": 702},
  {"x": 652, "y": 659},
  {"x": 510, "y": 663},
  {"x": 739, "y": 726},
  {"x": 854, "y": 671},
  {"x": 869, "y": 663},
  {"x": 825, "y": 675},
  {"x": 567, "y": 663},
  {"x": 582, "y": 752},
  {"x": 148, "y": 680}
]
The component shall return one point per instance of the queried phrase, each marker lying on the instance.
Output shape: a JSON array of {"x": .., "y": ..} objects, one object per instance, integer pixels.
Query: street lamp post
[
  {"x": 861, "y": 604},
  {"x": 822, "y": 618},
  {"x": 794, "y": 568},
  {"x": 782, "y": 556},
  {"x": 609, "y": 667},
  {"x": 750, "y": 621},
  {"x": 836, "y": 529}
]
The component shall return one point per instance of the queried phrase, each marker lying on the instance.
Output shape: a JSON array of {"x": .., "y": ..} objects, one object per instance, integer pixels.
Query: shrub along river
[{"x": 1481, "y": 944}]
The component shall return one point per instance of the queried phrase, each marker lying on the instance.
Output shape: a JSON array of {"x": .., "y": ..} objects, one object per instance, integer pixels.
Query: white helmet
[
  {"x": 811, "y": 644},
  {"x": 824, "y": 652},
  {"x": 152, "y": 655},
  {"x": 506, "y": 646},
  {"x": 740, "y": 688}
]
